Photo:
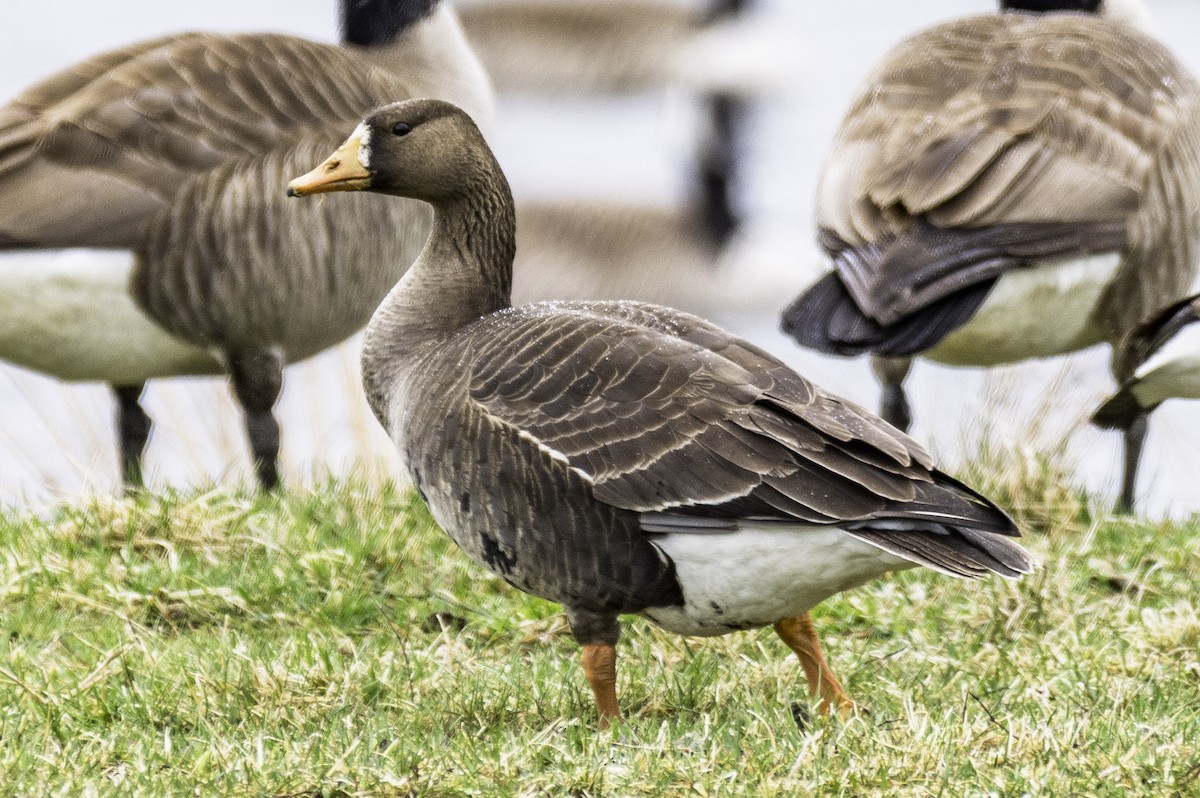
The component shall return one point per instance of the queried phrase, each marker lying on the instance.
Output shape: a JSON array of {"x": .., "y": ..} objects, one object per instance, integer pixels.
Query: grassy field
[{"x": 336, "y": 644}]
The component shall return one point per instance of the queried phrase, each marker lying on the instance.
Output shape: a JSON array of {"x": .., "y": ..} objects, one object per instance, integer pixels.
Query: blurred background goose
[
  {"x": 619, "y": 457},
  {"x": 163, "y": 160},
  {"x": 1162, "y": 357},
  {"x": 614, "y": 46},
  {"x": 574, "y": 52},
  {"x": 1005, "y": 187},
  {"x": 57, "y": 438}
]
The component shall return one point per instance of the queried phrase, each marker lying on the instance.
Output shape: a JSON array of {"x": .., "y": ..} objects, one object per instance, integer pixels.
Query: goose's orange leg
[
  {"x": 600, "y": 665},
  {"x": 801, "y": 637}
]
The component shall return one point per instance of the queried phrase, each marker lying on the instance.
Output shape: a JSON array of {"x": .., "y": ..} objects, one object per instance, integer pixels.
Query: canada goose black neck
[
  {"x": 1047, "y": 6},
  {"x": 372, "y": 23}
]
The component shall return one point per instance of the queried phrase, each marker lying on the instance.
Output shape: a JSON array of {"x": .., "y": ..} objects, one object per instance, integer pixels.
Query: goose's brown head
[{"x": 424, "y": 149}]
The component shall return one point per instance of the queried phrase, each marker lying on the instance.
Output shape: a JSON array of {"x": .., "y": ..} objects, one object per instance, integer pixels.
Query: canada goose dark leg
[
  {"x": 801, "y": 637},
  {"x": 257, "y": 379},
  {"x": 598, "y": 634},
  {"x": 133, "y": 431},
  {"x": 717, "y": 166},
  {"x": 893, "y": 405},
  {"x": 1135, "y": 438}
]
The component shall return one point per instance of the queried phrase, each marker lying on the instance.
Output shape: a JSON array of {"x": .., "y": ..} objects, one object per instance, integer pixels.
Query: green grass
[{"x": 310, "y": 645}]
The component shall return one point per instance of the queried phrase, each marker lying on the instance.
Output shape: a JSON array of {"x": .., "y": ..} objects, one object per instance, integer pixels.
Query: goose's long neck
[{"x": 463, "y": 274}]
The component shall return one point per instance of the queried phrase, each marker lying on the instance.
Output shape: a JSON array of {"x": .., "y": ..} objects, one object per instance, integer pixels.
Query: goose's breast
[
  {"x": 69, "y": 314},
  {"x": 1037, "y": 311},
  {"x": 758, "y": 575}
]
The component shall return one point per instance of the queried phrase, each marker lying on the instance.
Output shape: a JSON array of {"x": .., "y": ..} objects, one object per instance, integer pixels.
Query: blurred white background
[{"x": 57, "y": 440}]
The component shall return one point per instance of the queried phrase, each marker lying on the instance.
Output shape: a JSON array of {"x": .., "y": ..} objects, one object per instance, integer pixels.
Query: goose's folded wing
[
  {"x": 1006, "y": 119},
  {"x": 88, "y": 154},
  {"x": 895, "y": 277},
  {"x": 668, "y": 414}
]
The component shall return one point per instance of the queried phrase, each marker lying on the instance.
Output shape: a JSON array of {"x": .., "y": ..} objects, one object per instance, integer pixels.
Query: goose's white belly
[
  {"x": 69, "y": 314},
  {"x": 1171, "y": 372},
  {"x": 758, "y": 575},
  {"x": 1039, "y": 311}
]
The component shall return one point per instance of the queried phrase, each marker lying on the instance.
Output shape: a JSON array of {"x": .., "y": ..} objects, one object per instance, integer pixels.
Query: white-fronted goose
[
  {"x": 168, "y": 154},
  {"x": 619, "y": 457},
  {"x": 1005, "y": 187},
  {"x": 1162, "y": 357}
]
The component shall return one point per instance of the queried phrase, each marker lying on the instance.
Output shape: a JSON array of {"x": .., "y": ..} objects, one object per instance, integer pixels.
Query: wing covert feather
[
  {"x": 660, "y": 410},
  {"x": 88, "y": 154},
  {"x": 986, "y": 120}
]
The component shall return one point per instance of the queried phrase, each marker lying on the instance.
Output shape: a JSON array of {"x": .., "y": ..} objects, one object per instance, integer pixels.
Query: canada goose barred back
[
  {"x": 162, "y": 160},
  {"x": 619, "y": 457},
  {"x": 1006, "y": 187}
]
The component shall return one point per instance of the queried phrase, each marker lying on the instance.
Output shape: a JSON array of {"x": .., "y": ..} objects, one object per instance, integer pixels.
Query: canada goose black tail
[
  {"x": 1119, "y": 411},
  {"x": 368, "y": 23},
  {"x": 904, "y": 293},
  {"x": 826, "y": 318}
]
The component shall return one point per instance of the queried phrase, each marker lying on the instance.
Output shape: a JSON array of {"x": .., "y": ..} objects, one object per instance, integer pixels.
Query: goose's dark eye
[{"x": 401, "y": 128}]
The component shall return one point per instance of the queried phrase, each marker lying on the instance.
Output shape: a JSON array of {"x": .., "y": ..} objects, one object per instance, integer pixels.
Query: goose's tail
[
  {"x": 1120, "y": 410},
  {"x": 951, "y": 529}
]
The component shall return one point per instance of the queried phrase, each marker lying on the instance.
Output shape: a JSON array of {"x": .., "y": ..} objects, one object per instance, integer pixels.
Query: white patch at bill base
[{"x": 363, "y": 134}]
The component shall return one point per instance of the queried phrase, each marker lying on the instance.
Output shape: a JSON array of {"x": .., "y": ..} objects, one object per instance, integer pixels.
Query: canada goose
[
  {"x": 619, "y": 457},
  {"x": 1162, "y": 357},
  {"x": 599, "y": 250},
  {"x": 607, "y": 243},
  {"x": 613, "y": 46},
  {"x": 166, "y": 153},
  {"x": 619, "y": 46},
  {"x": 1005, "y": 187}
]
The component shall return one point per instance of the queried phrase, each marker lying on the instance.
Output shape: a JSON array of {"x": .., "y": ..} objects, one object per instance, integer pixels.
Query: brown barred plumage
[
  {"x": 980, "y": 157},
  {"x": 177, "y": 150}
]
